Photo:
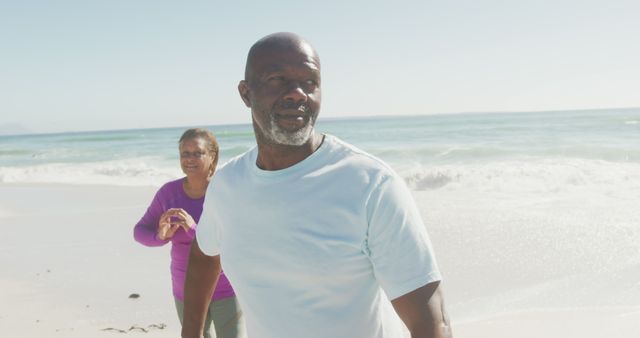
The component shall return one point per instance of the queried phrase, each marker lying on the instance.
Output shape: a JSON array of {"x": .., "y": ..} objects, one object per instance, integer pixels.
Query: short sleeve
[
  {"x": 207, "y": 232},
  {"x": 397, "y": 241}
]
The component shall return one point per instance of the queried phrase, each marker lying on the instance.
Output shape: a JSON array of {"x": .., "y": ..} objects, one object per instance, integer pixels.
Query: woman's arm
[{"x": 146, "y": 230}]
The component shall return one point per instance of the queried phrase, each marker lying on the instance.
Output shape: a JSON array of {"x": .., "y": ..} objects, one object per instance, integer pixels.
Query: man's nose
[{"x": 295, "y": 92}]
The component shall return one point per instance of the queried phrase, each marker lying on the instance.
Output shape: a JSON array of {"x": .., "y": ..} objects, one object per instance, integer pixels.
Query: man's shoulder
[
  {"x": 357, "y": 158},
  {"x": 235, "y": 163}
]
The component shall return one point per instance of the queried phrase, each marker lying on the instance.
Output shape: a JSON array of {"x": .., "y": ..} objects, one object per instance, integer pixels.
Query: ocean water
[
  {"x": 536, "y": 151},
  {"x": 526, "y": 211}
]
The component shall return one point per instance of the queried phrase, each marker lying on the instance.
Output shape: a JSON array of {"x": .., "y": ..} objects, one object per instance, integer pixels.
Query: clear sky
[{"x": 120, "y": 64}]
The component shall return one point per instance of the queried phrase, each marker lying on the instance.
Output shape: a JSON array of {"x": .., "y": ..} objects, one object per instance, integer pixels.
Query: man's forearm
[
  {"x": 433, "y": 325},
  {"x": 433, "y": 330},
  {"x": 424, "y": 313},
  {"x": 201, "y": 279}
]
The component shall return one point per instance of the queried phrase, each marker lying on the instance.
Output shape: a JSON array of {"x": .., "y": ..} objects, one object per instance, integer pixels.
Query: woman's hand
[
  {"x": 166, "y": 229},
  {"x": 173, "y": 219}
]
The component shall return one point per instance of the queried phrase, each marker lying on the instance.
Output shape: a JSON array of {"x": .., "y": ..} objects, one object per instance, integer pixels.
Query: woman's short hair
[{"x": 212, "y": 143}]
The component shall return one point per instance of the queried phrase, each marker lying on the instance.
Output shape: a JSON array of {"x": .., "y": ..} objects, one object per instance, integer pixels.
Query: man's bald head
[
  {"x": 282, "y": 88},
  {"x": 277, "y": 42}
]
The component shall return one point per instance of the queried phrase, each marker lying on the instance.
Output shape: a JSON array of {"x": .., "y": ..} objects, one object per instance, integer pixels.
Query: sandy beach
[
  {"x": 515, "y": 125},
  {"x": 70, "y": 265}
]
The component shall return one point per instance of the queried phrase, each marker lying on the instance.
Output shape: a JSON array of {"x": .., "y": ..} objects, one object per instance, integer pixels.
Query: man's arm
[
  {"x": 202, "y": 277},
  {"x": 422, "y": 311}
]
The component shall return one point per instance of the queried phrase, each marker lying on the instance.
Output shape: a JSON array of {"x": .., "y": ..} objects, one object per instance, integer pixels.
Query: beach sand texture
[
  {"x": 564, "y": 267},
  {"x": 70, "y": 264}
]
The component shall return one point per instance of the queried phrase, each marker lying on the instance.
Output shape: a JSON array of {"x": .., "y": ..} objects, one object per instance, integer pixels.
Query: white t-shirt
[{"x": 309, "y": 249}]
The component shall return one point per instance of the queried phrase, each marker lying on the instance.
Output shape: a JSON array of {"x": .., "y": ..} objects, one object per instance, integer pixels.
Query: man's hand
[
  {"x": 422, "y": 311},
  {"x": 201, "y": 280}
]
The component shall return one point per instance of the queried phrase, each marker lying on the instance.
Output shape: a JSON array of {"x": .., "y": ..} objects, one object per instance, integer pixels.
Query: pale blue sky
[{"x": 120, "y": 64}]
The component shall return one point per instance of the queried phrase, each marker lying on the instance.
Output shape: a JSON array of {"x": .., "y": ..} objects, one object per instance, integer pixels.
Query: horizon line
[{"x": 328, "y": 118}]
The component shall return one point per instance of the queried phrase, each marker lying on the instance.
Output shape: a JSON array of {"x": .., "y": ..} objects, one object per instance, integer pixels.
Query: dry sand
[{"x": 70, "y": 263}]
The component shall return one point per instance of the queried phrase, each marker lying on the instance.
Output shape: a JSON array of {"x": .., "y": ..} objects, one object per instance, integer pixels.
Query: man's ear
[{"x": 243, "y": 89}]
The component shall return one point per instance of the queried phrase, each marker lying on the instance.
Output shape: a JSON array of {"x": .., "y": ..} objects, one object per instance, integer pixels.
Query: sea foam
[
  {"x": 540, "y": 175},
  {"x": 119, "y": 173}
]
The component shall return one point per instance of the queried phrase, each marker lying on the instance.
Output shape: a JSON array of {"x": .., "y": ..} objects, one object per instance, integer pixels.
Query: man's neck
[{"x": 276, "y": 156}]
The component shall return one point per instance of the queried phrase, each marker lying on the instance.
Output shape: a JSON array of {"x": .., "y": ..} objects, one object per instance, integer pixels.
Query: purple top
[{"x": 172, "y": 195}]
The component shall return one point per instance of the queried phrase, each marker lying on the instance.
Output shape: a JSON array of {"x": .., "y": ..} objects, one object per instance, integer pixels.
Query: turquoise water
[
  {"x": 414, "y": 145},
  {"x": 525, "y": 211}
]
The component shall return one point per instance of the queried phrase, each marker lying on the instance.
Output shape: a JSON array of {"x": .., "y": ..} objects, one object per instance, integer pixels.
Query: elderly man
[{"x": 315, "y": 235}]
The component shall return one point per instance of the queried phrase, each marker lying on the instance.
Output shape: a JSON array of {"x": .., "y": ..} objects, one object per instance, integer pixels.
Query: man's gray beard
[{"x": 287, "y": 138}]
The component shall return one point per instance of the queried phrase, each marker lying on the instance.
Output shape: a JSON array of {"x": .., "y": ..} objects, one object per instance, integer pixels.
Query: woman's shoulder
[{"x": 171, "y": 187}]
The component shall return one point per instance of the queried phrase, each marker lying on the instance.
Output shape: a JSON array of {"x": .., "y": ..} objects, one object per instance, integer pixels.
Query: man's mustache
[{"x": 294, "y": 105}]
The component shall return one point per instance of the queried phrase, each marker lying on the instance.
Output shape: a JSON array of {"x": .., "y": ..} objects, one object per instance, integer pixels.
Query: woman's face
[{"x": 195, "y": 159}]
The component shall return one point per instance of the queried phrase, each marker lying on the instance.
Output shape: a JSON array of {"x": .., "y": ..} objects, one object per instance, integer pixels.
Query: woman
[{"x": 172, "y": 217}]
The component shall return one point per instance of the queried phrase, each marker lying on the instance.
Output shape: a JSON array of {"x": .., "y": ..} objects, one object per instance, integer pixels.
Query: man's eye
[
  {"x": 311, "y": 84},
  {"x": 276, "y": 79}
]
